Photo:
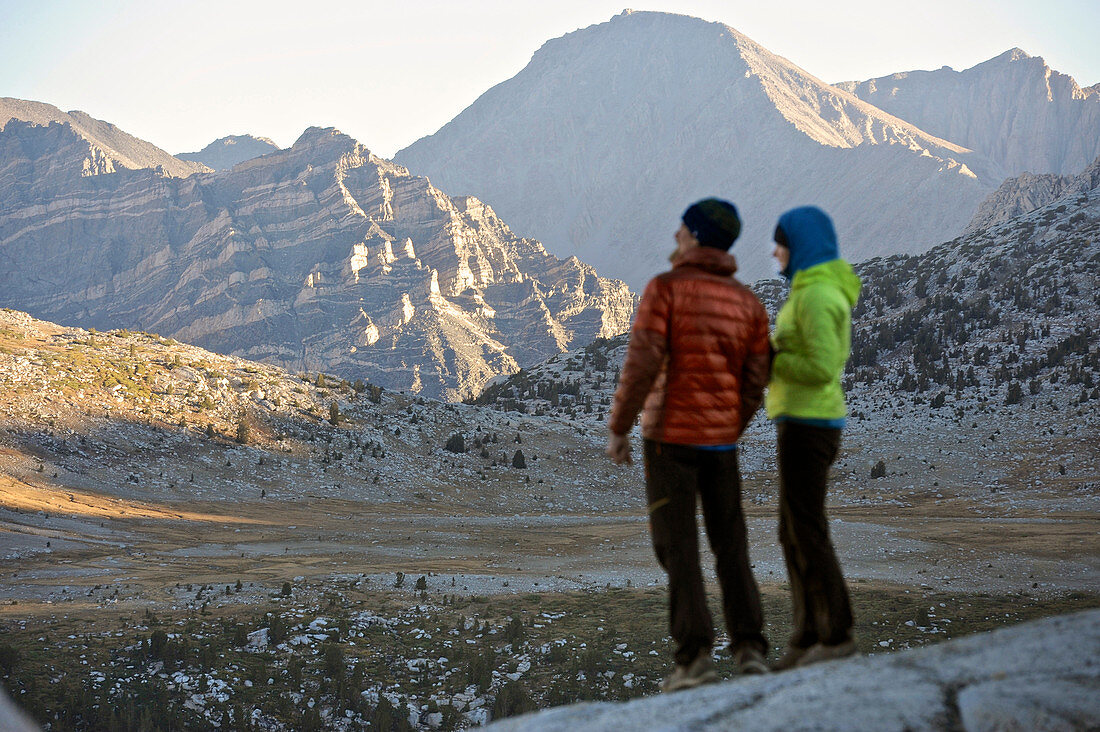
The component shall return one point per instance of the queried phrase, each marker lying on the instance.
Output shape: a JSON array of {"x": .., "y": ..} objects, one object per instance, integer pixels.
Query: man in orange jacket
[{"x": 696, "y": 368}]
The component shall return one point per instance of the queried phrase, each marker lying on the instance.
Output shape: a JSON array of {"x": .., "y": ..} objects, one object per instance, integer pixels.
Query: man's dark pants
[
  {"x": 822, "y": 612},
  {"x": 675, "y": 476}
]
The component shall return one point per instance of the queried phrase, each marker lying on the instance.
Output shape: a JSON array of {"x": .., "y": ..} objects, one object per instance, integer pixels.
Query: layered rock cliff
[{"x": 321, "y": 256}]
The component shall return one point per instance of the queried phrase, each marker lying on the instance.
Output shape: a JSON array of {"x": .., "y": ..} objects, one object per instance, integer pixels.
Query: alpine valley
[
  {"x": 194, "y": 540},
  {"x": 299, "y": 439}
]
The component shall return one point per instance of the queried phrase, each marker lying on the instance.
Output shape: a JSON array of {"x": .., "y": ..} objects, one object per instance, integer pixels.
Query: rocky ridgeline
[
  {"x": 576, "y": 386},
  {"x": 997, "y": 320},
  {"x": 62, "y": 377},
  {"x": 1027, "y": 192},
  {"x": 1009, "y": 313},
  {"x": 1014, "y": 109},
  {"x": 318, "y": 257}
]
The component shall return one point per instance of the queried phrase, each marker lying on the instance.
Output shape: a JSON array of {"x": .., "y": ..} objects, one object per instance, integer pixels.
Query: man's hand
[{"x": 618, "y": 449}]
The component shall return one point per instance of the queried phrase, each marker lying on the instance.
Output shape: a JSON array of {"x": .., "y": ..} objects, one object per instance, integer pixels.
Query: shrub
[
  {"x": 383, "y": 717},
  {"x": 334, "y": 660},
  {"x": 455, "y": 443},
  {"x": 514, "y": 632},
  {"x": 244, "y": 432},
  {"x": 276, "y": 629},
  {"x": 479, "y": 672},
  {"x": 513, "y": 699},
  {"x": 157, "y": 643}
]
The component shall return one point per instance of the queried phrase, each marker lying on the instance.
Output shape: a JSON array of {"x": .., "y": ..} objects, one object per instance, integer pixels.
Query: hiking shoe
[
  {"x": 748, "y": 660},
  {"x": 790, "y": 658},
  {"x": 821, "y": 652},
  {"x": 700, "y": 671}
]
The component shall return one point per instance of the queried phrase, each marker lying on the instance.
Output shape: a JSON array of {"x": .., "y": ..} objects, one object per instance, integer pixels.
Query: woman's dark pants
[
  {"x": 822, "y": 611},
  {"x": 677, "y": 476}
]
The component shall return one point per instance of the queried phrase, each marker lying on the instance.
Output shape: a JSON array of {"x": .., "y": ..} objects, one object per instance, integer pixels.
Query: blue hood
[{"x": 811, "y": 238}]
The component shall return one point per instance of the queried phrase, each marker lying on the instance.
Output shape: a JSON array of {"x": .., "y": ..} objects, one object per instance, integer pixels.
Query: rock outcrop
[
  {"x": 598, "y": 145},
  {"x": 318, "y": 257},
  {"x": 105, "y": 147},
  {"x": 1043, "y": 675},
  {"x": 1014, "y": 109},
  {"x": 1028, "y": 192},
  {"x": 225, "y": 152}
]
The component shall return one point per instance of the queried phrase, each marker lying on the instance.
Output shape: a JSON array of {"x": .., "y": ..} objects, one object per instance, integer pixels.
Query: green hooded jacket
[{"x": 812, "y": 340}]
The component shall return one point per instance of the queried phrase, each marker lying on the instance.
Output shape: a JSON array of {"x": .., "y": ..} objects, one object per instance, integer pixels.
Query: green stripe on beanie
[{"x": 713, "y": 222}]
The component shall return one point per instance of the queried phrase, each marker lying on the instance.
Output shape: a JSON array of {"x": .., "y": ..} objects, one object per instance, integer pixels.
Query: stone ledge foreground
[
  {"x": 1043, "y": 675},
  {"x": 12, "y": 719},
  {"x": 1038, "y": 676}
]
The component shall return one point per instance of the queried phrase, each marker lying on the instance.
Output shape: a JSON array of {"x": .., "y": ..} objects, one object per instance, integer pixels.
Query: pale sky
[{"x": 183, "y": 73}]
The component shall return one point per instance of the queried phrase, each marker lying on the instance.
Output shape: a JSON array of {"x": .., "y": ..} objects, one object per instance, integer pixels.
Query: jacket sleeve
[
  {"x": 645, "y": 355},
  {"x": 755, "y": 372},
  {"x": 820, "y": 320}
]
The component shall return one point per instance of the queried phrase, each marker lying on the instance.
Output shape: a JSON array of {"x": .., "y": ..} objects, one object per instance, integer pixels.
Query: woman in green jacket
[{"x": 811, "y": 341}]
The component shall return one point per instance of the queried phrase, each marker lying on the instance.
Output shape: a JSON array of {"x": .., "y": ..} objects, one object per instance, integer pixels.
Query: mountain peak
[
  {"x": 1014, "y": 54},
  {"x": 1013, "y": 108},
  {"x": 1011, "y": 56},
  {"x": 225, "y": 152},
  {"x": 659, "y": 29},
  {"x": 325, "y": 143},
  {"x": 110, "y": 147},
  {"x": 705, "y": 103},
  {"x": 314, "y": 135},
  {"x": 653, "y": 18}
]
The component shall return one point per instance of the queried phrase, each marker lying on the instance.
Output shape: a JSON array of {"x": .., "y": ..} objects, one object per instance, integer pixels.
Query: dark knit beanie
[{"x": 713, "y": 222}]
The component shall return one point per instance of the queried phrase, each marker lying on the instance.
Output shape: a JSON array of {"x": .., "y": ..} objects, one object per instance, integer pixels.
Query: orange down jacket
[{"x": 698, "y": 355}]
